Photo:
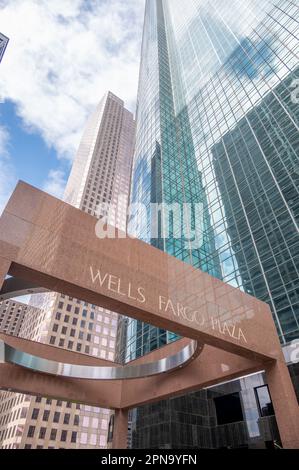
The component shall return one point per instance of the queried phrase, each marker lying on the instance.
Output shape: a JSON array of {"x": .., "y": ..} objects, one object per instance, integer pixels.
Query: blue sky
[
  {"x": 58, "y": 64},
  {"x": 31, "y": 157}
]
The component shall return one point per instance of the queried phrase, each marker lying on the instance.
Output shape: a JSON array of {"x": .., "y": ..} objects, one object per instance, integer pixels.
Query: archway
[{"x": 50, "y": 244}]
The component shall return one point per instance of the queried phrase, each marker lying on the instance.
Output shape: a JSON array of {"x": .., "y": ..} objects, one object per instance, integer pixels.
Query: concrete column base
[
  {"x": 120, "y": 431},
  {"x": 285, "y": 403}
]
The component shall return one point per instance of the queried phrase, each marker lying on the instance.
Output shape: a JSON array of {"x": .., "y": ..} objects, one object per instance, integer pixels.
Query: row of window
[{"x": 63, "y": 436}]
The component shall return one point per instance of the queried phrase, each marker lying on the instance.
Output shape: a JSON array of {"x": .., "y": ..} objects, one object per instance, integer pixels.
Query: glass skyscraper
[
  {"x": 3, "y": 44},
  {"x": 217, "y": 124}
]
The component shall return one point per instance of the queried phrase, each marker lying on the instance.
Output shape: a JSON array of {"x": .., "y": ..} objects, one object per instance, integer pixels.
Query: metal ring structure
[{"x": 14, "y": 287}]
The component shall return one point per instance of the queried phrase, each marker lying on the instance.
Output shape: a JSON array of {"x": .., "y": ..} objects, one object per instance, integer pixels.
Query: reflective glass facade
[
  {"x": 3, "y": 44},
  {"x": 217, "y": 123}
]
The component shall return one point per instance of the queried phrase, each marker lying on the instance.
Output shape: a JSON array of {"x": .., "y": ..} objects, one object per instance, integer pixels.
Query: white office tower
[{"x": 100, "y": 174}]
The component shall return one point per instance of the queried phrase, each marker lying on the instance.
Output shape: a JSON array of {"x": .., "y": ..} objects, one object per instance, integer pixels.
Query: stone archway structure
[{"x": 46, "y": 243}]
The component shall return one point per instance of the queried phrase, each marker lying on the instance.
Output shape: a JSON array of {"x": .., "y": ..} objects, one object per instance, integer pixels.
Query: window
[
  {"x": 104, "y": 424},
  {"x": 46, "y": 415},
  {"x": 31, "y": 431},
  {"x": 264, "y": 401},
  {"x": 63, "y": 436},
  {"x": 76, "y": 420},
  {"x": 68, "y": 308},
  {"x": 83, "y": 438},
  {"x": 60, "y": 305},
  {"x": 85, "y": 421},
  {"x": 228, "y": 409},
  {"x": 56, "y": 417},
  {"x": 66, "y": 418},
  {"x": 53, "y": 434},
  {"x": 95, "y": 423},
  {"x": 74, "y": 437},
  {"x": 52, "y": 340},
  {"x": 35, "y": 413},
  {"x": 42, "y": 433},
  {"x": 110, "y": 429}
]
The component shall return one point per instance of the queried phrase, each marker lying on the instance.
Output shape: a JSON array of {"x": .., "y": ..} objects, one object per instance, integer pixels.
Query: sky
[{"x": 63, "y": 55}]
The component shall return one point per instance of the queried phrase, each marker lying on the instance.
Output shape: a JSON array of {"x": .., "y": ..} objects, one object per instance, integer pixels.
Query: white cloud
[
  {"x": 7, "y": 172},
  {"x": 4, "y": 142},
  {"x": 63, "y": 55},
  {"x": 55, "y": 183}
]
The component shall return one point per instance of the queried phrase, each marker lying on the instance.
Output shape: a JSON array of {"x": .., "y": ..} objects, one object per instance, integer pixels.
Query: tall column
[
  {"x": 284, "y": 402},
  {"x": 4, "y": 268},
  {"x": 120, "y": 431}
]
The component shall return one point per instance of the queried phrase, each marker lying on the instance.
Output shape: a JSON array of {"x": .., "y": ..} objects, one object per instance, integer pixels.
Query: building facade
[
  {"x": 3, "y": 44},
  {"x": 12, "y": 411},
  {"x": 217, "y": 124},
  {"x": 12, "y": 314},
  {"x": 100, "y": 175}
]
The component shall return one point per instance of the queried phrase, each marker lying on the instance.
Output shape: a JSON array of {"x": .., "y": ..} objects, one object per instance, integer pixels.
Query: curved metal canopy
[
  {"x": 14, "y": 287},
  {"x": 39, "y": 364}
]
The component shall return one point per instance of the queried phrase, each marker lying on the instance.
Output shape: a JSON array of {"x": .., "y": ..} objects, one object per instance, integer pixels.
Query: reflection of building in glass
[
  {"x": 257, "y": 171},
  {"x": 100, "y": 174},
  {"x": 215, "y": 77},
  {"x": 3, "y": 44}
]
